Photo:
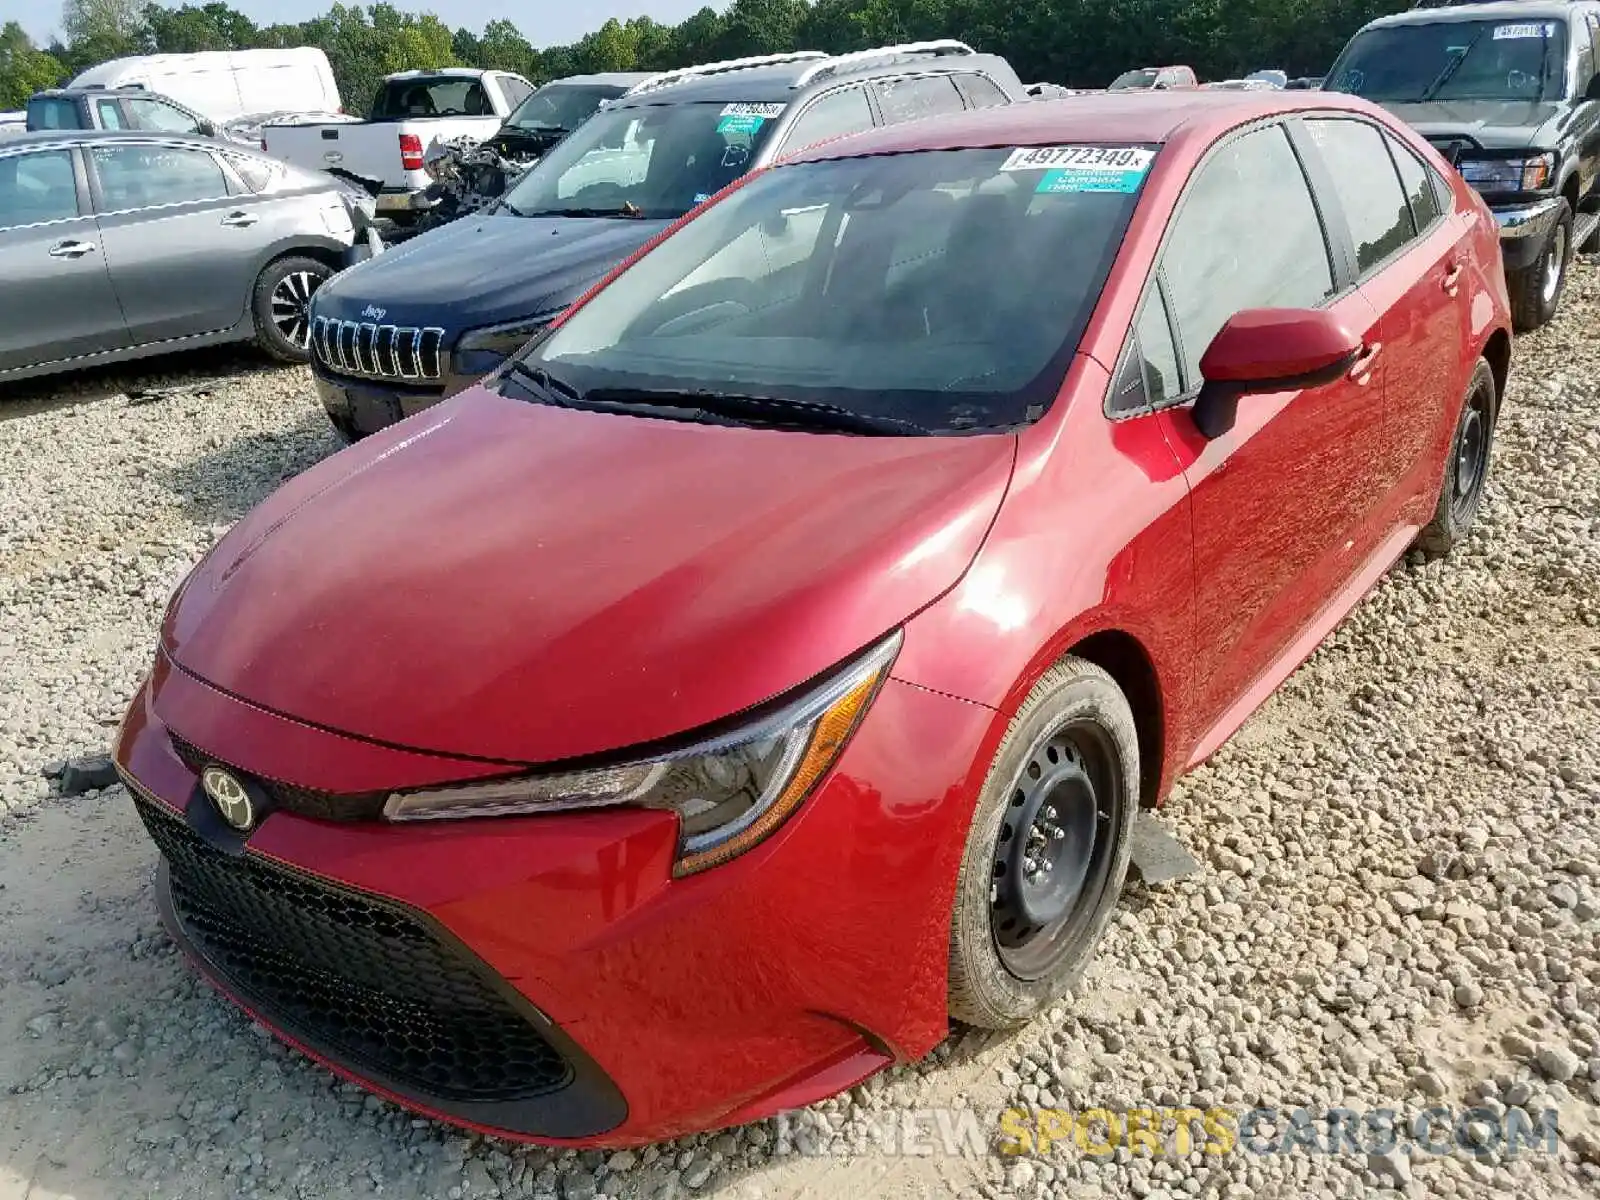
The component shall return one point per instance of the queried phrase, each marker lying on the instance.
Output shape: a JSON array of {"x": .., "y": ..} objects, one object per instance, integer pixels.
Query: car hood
[
  {"x": 484, "y": 270},
  {"x": 513, "y": 581},
  {"x": 1491, "y": 124}
]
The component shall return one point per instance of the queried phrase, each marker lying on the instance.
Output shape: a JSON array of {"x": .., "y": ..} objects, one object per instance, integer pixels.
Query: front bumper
[
  {"x": 358, "y": 407},
  {"x": 1523, "y": 230},
  {"x": 668, "y": 1006}
]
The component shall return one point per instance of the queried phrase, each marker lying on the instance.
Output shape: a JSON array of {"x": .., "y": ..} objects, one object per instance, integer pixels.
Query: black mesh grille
[
  {"x": 305, "y": 802},
  {"x": 366, "y": 980}
]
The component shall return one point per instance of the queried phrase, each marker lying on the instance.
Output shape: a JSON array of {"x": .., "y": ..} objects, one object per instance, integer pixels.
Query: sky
[{"x": 543, "y": 22}]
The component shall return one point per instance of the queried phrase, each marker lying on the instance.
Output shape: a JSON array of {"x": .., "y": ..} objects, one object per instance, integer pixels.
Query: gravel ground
[{"x": 1399, "y": 904}]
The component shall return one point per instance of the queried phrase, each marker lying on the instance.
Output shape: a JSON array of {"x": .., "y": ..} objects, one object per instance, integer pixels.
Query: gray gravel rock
[{"x": 1401, "y": 876}]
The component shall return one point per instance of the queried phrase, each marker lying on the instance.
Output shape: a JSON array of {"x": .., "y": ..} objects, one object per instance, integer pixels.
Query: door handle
[
  {"x": 72, "y": 249},
  {"x": 1361, "y": 369},
  {"x": 1452, "y": 279},
  {"x": 240, "y": 220}
]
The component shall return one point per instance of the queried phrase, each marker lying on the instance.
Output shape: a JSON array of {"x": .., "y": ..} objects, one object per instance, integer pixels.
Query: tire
[
  {"x": 1467, "y": 470},
  {"x": 1536, "y": 290},
  {"x": 280, "y": 304},
  {"x": 1074, "y": 729}
]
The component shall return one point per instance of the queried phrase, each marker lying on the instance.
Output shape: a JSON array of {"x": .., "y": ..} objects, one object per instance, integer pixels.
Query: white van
[{"x": 227, "y": 84}]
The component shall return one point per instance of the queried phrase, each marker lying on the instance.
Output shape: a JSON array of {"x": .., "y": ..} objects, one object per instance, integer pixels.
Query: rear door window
[
  {"x": 924, "y": 96},
  {"x": 1421, "y": 188},
  {"x": 109, "y": 114},
  {"x": 981, "y": 91},
  {"x": 1368, "y": 188},
  {"x": 37, "y": 187},
  {"x": 1253, "y": 183},
  {"x": 830, "y": 116},
  {"x": 134, "y": 177}
]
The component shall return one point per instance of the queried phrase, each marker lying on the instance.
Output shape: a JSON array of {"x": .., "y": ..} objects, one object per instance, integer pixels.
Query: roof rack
[
  {"x": 884, "y": 54},
  {"x": 666, "y": 78}
]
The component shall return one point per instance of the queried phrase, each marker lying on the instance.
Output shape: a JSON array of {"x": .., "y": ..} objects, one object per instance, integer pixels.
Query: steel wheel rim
[
  {"x": 291, "y": 307},
  {"x": 1472, "y": 457},
  {"x": 1555, "y": 262},
  {"x": 1055, "y": 847}
]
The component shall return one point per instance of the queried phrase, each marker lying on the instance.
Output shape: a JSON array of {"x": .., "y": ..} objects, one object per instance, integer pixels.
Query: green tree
[
  {"x": 503, "y": 48},
  {"x": 104, "y": 29},
  {"x": 24, "y": 68},
  {"x": 610, "y": 48}
]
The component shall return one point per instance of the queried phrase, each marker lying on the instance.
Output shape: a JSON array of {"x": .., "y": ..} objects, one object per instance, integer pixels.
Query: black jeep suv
[{"x": 1509, "y": 92}]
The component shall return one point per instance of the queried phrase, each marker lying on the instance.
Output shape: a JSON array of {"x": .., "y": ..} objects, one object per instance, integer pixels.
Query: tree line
[{"x": 1083, "y": 43}]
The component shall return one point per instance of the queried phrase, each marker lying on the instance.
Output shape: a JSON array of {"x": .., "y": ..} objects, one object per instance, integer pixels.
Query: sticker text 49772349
[
  {"x": 1078, "y": 169},
  {"x": 1080, "y": 158}
]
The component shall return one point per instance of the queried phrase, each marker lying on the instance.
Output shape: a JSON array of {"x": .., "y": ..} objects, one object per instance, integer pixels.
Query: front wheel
[
  {"x": 1536, "y": 289},
  {"x": 281, "y": 303},
  {"x": 1048, "y": 850}
]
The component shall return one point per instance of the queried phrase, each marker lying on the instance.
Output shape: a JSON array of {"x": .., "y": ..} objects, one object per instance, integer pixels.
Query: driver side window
[{"x": 1246, "y": 235}]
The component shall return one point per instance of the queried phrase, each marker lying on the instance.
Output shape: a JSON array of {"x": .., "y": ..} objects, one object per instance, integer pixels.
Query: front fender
[{"x": 1094, "y": 537}]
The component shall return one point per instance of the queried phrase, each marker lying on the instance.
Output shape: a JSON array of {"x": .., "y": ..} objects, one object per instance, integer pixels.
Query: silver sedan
[{"x": 114, "y": 246}]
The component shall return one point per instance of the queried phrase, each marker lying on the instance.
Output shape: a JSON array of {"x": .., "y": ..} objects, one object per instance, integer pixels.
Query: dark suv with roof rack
[
  {"x": 1510, "y": 93},
  {"x": 402, "y": 331}
]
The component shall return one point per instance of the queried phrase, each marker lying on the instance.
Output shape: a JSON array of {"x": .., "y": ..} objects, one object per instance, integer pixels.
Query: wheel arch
[
  {"x": 1128, "y": 662},
  {"x": 1497, "y": 352}
]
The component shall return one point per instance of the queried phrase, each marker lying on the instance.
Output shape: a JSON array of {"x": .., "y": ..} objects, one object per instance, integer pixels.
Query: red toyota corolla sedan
[{"x": 767, "y": 666}]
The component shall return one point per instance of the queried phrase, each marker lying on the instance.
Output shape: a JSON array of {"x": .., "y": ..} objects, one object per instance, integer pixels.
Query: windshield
[
  {"x": 431, "y": 96},
  {"x": 1454, "y": 60},
  {"x": 557, "y": 108},
  {"x": 654, "y": 161},
  {"x": 1135, "y": 79},
  {"x": 945, "y": 289}
]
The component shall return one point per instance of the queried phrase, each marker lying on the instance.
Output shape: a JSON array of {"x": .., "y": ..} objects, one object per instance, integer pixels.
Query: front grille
[
  {"x": 364, "y": 981},
  {"x": 288, "y": 797},
  {"x": 400, "y": 352}
]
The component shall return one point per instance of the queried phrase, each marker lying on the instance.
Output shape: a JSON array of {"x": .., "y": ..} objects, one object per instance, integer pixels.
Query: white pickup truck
[{"x": 414, "y": 111}]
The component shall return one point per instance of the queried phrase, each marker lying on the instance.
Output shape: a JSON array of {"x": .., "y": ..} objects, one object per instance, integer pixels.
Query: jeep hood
[
  {"x": 485, "y": 270},
  {"x": 524, "y": 583},
  {"x": 1488, "y": 124}
]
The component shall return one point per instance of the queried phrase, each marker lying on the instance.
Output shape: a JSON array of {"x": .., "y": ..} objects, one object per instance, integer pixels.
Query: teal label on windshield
[
  {"x": 1063, "y": 182},
  {"x": 749, "y": 125}
]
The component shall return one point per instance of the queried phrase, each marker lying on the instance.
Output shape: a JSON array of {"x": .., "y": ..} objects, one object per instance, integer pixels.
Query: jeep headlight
[
  {"x": 1533, "y": 173},
  {"x": 503, "y": 341},
  {"x": 730, "y": 792}
]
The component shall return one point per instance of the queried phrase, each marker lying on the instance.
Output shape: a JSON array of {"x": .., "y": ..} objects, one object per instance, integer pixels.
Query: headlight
[
  {"x": 730, "y": 792},
  {"x": 1530, "y": 174},
  {"x": 504, "y": 340}
]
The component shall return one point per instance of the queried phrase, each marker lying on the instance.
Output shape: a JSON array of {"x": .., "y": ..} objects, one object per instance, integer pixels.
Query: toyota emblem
[{"x": 230, "y": 798}]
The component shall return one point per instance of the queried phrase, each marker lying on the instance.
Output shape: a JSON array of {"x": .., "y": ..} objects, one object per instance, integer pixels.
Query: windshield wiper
[
  {"x": 1450, "y": 69},
  {"x": 554, "y": 391},
  {"x": 629, "y": 209},
  {"x": 748, "y": 408}
]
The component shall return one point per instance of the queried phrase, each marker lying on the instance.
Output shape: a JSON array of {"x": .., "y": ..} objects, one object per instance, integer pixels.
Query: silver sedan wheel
[{"x": 291, "y": 307}]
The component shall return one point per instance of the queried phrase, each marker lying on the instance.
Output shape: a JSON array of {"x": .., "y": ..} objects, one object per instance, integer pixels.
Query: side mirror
[
  {"x": 1592, "y": 92},
  {"x": 1264, "y": 350},
  {"x": 207, "y": 129}
]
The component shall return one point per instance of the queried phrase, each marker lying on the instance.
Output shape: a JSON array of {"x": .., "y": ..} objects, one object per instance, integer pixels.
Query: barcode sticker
[{"x": 1132, "y": 159}]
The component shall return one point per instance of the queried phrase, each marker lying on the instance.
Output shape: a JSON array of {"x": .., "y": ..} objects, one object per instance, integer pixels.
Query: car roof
[
  {"x": 624, "y": 79},
  {"x": 1492, "y": 10},
  {"x": 775, "y": 83},
  {"x": 1103, "y": 117},
  {"x": 92, "y": 90},
  {"x": 80, "y": 137}
]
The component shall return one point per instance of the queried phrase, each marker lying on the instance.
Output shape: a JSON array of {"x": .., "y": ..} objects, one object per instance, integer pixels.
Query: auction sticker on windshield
[
  {"x": 1070, "y": 169},
  {"x": 1503, "y": 33},
  {"x": 747, "y": 118}
]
